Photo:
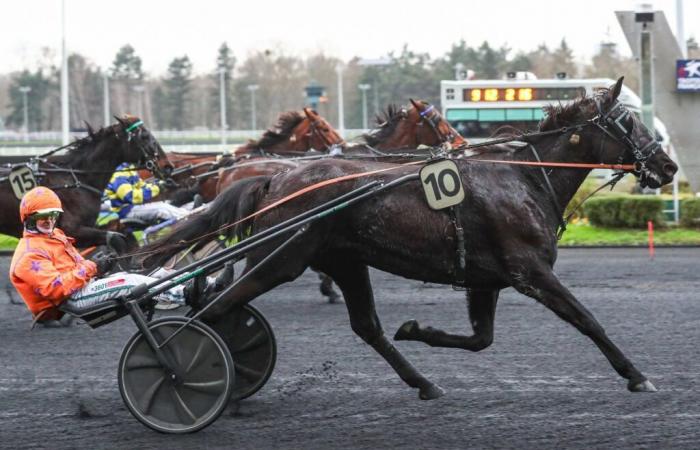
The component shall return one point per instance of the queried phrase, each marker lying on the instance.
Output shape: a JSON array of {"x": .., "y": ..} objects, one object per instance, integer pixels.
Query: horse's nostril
[{"x": 670, "y": 169}]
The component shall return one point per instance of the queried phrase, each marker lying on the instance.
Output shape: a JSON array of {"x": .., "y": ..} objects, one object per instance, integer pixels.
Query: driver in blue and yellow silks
[{"x": 130, "y": 197}]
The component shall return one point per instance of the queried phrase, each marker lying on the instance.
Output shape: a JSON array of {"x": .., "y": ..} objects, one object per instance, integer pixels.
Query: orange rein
[
  {"x": 353, "y": 176},
  {"x": 550, "y": 164}
]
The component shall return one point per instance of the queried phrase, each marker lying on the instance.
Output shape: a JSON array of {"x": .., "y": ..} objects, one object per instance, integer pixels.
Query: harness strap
[
  {"x": 561, "y": 227},
  {"x": 461, "y": 272}
]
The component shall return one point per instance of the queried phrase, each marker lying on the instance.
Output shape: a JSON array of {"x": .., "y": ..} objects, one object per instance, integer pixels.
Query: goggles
[{"x": 47, "y": 215}]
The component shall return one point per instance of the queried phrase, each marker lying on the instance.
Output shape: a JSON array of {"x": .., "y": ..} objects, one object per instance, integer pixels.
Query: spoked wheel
[
  {"x": 252, "y": 344},
  {"x": 205, "y": 377}
]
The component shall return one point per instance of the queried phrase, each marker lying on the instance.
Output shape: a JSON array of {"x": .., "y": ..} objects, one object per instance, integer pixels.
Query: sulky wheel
[
  {"x": 252, "y": 344},
  {"x": 190, "y": 403}
]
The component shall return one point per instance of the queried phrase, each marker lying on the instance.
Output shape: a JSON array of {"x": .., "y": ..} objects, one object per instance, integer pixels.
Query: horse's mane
[
  {"x": 557, "y": 116},
  {"x": 386, "y": 124},
  {"x": 76, "y": 150},
  {"x": 280, "y": 132}
]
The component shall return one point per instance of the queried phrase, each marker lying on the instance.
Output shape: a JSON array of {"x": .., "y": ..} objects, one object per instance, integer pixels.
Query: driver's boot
[{"x": 194, "y": 292}]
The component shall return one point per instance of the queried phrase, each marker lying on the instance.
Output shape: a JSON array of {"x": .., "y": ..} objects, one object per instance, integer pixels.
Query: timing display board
[{"x": 521, "y": 94}]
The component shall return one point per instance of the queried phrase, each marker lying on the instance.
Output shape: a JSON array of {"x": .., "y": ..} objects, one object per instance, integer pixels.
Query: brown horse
[
  {"x": 80, "y": 176},
  {"x": 397, "y": 130},
  {"x": 509, "y": 216},
  {"x": 295, "y": 134}
]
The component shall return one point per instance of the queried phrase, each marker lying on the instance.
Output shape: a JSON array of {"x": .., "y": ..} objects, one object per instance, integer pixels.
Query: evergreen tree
[
  {"x": 127, "y": 65},
  {"x": 226, "y": 61},
  {"x": 177, "y": 86},
  {"x": 126, "y": 73},
  {"x": 563, "y": 61}
]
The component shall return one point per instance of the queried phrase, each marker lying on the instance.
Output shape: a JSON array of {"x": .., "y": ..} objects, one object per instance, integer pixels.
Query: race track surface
[{"x": 540, "y": 385}]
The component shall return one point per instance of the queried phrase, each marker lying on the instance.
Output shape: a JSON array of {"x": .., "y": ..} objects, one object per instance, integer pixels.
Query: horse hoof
[
  {"x": 431, "y": 392},
  {"x": 644, "y": 386},
  {"x": 407, "y": 331}
]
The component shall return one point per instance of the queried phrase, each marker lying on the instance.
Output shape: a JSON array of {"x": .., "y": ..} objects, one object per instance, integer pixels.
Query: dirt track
[{"x": 540, "y": 385}]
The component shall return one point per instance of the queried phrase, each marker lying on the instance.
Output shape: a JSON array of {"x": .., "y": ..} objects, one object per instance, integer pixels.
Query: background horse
[
  {"x": 80, "y": 176},
  {"x": 399, "y": 129},
  {"x": 508, "y": 217},
  {"x": 294, "y": 135}
]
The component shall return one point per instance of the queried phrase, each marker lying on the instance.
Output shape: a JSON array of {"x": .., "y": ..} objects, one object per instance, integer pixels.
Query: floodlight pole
[
  {"x": 364, "y": 88},
  {"x": 25, "y": 90},
  {"x": 105, "y": 86},
  {"x": 222, "y": 103},
  {"x": 65, "y": 110},
  {"x": 341, "y": 108},
  {"x": 252, "y": 88}
]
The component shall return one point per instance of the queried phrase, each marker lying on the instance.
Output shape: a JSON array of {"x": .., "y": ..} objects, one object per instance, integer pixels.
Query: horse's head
[
  {"x": 431, "y": 128},
  {"x": 624, "y": 139},
  {"x": 141, "y": 147},
  {"x": 422, "y": 124},
  {"x": 316, "y": 130}
]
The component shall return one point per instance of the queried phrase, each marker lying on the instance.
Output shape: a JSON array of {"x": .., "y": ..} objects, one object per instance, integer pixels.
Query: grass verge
[
  {"x": 583, "y": 234},
  {"x": 576, "y": 234}
]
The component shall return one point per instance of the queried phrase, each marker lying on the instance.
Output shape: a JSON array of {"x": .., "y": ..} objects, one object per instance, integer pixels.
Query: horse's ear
[
  {"x": 615, "y": 92},
  {"x": 309, "y": 113},
  {"x": 121, "y": 121},
  {"x": 89, "y": 128},
  {"x": 415, "y": 104}
]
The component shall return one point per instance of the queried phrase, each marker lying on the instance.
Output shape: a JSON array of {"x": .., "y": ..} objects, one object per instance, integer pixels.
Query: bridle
[
  {"x": 433, "y": 120},
  {"x": 148, "y": 158},
  {"x": 612, "y": 125},
  {"x": 331, "y": 147}
]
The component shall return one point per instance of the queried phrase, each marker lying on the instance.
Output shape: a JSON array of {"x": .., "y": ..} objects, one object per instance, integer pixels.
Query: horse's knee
[{"x": 482, "y": 342}]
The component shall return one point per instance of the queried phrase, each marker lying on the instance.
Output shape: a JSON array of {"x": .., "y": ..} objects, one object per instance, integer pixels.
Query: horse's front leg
[
  {"x": 353, "y": 280},
  {"x": 544, "y": 286},
  {"x": 482, "y": 311}
]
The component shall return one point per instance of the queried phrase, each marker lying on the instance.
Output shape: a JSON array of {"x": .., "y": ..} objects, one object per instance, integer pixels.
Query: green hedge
[
  {"x": 690, "y": 212},
  {"x": 629, "y": 211}
]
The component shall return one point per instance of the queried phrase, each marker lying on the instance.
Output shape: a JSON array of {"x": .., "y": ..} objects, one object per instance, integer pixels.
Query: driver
[
  {"x": 47, "y": 270},
  {"x": 130, "y": 197}
]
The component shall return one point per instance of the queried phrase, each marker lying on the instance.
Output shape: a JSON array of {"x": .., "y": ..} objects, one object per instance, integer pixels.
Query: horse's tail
[{"x": 238, "y": 201}]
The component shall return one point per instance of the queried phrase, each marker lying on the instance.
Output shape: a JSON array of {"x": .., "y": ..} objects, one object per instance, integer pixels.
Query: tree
[
  {"x": 177, "y": 86},
  {"x": 86, "y": 91},
  {"x": 127, "y": 65},
  {"x": 39, "y": 85},
  {"x": 563, "y": 61},
  {"x": 281, "y": 80},
  {"x": 126, "y": 73},
  {"x": 460, "y": 53},
  {"x": 226, "y": 62},
  {"x": 607, "y": 63}
]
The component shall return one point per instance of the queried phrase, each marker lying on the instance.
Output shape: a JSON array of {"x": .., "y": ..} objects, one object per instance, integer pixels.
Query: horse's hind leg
[
  {"x": 353, "y": 280},
  {"x": 482, "y": 310},
  {"x": 545, "y": 287}
]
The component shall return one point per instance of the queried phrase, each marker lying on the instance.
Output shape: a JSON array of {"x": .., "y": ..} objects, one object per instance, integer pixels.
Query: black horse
[
  {"x": 509, "y": 216},
  {"x": 80, "y": 176}
]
